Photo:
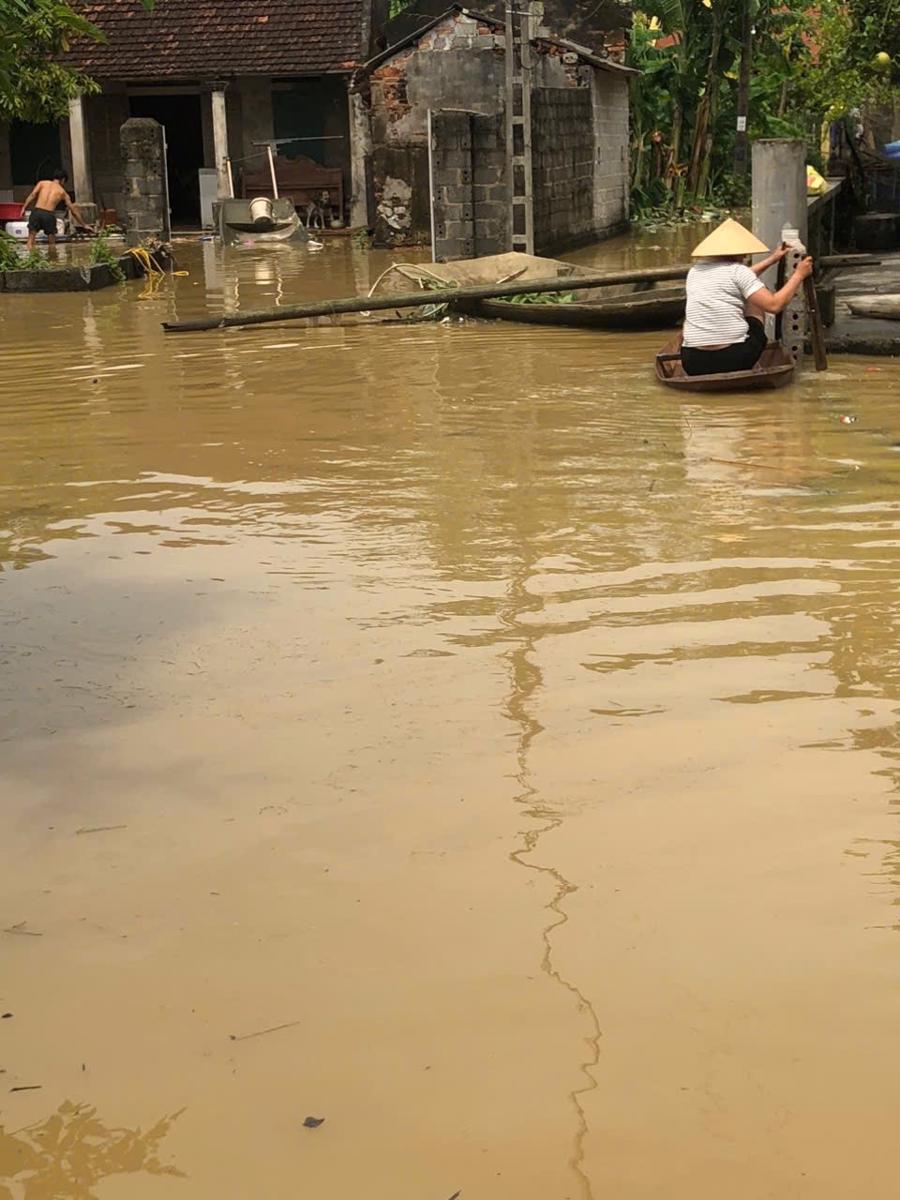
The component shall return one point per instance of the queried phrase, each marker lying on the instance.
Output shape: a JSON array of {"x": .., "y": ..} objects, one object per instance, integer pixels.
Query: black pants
[{"x": 741, "y": 356}]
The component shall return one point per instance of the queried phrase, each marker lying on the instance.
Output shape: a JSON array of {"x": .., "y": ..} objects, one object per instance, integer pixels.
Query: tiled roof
[{"x": 196, "y": 39}]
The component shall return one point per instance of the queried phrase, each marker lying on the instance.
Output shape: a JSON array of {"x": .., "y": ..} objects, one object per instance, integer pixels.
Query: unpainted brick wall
[
  {"x": 471, "y": 201},
  {"x": 563, "y": 166}
]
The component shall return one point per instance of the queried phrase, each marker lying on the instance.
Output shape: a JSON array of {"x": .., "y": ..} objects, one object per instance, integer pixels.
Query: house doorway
[{"x": 182, "y": 118}]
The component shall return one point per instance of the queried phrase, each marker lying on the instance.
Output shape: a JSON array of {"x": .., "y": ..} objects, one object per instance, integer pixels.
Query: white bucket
[{"x": 261, "y": 211}]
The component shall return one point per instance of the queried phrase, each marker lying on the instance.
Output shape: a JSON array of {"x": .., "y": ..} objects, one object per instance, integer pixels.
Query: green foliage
[
  {"x": 10, "y": 259},
  {"x": 810, "y": 64},
  {"x": 397, "y": 7},
  {"x": 541, "y": 298},
  {"x": 35, "y": 83},
  {"x": 102, "y": 255},
  {"x": 34, "y": 261}
]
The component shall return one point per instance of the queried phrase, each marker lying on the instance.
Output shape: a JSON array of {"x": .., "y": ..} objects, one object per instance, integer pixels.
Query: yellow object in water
[{"x": 815, "y": 183}]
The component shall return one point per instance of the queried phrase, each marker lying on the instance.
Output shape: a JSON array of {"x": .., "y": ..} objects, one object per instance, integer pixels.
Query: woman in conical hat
[{"x": 724, "y": 327}]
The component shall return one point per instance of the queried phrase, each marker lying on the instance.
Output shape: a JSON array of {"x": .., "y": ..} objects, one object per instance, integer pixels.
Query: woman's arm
[
  {"x": 773, "y": 258},
  {"x": 774, "y": 302}
]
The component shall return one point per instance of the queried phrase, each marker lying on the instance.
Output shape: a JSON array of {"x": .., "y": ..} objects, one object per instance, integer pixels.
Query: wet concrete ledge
[
  {"x": 865, "y": 335},
  {"x": 68, "y": 279}
]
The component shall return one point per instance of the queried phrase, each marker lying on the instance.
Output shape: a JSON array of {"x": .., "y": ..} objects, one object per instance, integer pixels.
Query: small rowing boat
[
  {"x": 631, "y": 309},
  {"x": 620, "y": 306},
  {"x": 775, "y": 369}
]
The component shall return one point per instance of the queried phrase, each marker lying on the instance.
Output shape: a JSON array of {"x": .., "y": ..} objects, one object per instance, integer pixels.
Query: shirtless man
[{"x": 46, "y": 197}]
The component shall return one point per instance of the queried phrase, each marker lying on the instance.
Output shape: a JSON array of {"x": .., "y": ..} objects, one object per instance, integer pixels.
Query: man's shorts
[{"x": 42, "y": 221}]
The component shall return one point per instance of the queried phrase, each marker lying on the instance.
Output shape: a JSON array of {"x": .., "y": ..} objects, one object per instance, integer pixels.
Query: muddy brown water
[{"x": 445, "y": 732}]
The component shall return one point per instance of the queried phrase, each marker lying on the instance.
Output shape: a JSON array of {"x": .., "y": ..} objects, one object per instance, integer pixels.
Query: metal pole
[{"x": 230, "y": 179}]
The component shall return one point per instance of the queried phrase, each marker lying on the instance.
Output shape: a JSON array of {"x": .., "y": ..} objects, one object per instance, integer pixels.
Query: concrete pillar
[
  {"x": 794, "y": 316},
  {"x": 144, "y": 179},
  {"x": 220, "y": 139},
  {"x": 360, "y": 154},
  {"x": 779, "y": 191},
  {"x": 81, "y": 170}
]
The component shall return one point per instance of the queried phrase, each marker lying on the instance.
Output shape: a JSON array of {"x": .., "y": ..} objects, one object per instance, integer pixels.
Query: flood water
[{"x": 443, "y": 731}]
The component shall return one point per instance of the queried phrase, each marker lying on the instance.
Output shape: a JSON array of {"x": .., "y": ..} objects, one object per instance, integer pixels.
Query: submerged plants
[{"x": 102, "y": 255}]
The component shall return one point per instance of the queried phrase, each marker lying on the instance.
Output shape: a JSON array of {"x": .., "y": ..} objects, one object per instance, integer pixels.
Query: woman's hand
[
  {"x": 778, "y": 255},
  {"x": 804, "y": 268}
]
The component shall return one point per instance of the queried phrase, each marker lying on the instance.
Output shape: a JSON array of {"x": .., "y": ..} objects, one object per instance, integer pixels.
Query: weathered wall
[
  {"x": 471, "y": 199},
  {"x": 143, "y": 160},
  {"x": 457, "y": 65},
  {"x": 256, "y": 113},
  {"x": 563, "y": 163},
  {"x": 609, "y": 100},
  {"x": 580, "y": 138}
]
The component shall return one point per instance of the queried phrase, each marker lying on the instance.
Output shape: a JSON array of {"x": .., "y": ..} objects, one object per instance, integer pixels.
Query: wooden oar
[{"x": 816, "y": 332}]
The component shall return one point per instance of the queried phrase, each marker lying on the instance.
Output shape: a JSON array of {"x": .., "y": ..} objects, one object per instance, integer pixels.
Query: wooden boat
[
  {"x": 774, "y": 369},
  {"x": 628, "y": 306},
  {"x": 886, "y": 306}
]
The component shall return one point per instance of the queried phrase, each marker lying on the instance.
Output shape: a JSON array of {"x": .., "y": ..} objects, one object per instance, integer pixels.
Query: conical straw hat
[{"x": 730, "y": 238}]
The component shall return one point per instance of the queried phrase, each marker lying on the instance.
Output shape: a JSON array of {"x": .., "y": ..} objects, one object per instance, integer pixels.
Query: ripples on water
[{"x": 400, "y": 568}]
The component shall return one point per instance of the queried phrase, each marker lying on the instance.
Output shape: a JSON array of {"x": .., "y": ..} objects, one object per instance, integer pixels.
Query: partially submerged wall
[
  {"x": 458, "y": 65},
  {"x": 69, "y": 279},
  {"x": 563, "y": 167},
  {"x": 610, "y": 104},
  {"x": 579, "y": 140},
  {"x": 471, "y": 200},
  {"x": 146, "y": 194}
]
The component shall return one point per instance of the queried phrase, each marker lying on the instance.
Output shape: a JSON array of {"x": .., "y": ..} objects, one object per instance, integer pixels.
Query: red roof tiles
[{"x": 196, "y": 39}]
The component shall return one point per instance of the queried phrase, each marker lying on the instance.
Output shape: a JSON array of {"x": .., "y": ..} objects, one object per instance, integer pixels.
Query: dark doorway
[
  {"x": 183, "y": 123},
  {"x": 34, "y": 151}
]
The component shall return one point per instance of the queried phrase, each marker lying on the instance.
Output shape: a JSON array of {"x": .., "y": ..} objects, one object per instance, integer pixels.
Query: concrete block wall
[
  {"x": 468, "y": 182},
  {"x": 457, "y": 65},
  {"x": 143, "y": 160},
  {"x": 490, "y": 185},
  {"x": 580, "y": 140},
  {"x": 563, "y": 167},
  {"x": 452, "y": 184},
  {"x": 609, "y": 101}
]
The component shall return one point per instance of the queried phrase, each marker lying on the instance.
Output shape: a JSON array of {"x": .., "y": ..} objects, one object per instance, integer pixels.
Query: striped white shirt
[{"x": 716, "y": 294}]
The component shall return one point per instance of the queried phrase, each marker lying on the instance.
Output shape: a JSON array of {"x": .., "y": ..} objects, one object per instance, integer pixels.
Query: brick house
[
  {"x": 449, "y": 75},
  {"x": 220, "y": 78}
]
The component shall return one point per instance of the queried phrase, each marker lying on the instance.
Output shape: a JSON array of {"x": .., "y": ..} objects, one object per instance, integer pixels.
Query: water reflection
[{"x": 69, "y": 1154}]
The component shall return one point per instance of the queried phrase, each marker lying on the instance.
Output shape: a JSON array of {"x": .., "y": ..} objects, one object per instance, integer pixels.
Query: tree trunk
[
  {"x": 741, "y": 140},
  {"x": 706, "y": 107}
]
